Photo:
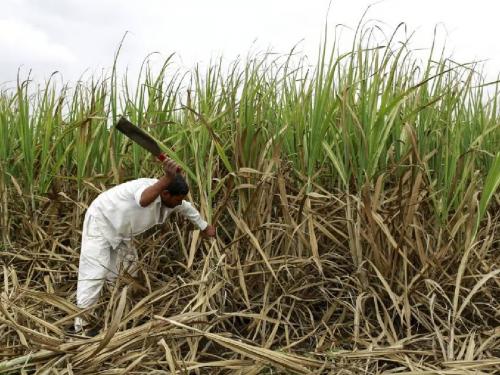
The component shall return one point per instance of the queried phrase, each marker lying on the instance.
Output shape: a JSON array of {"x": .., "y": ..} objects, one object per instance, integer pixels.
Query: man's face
[{"x": 170, "y": 200}]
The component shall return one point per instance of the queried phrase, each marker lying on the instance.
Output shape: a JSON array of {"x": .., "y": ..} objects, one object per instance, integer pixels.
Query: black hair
[{"x": 178, "y": 186}]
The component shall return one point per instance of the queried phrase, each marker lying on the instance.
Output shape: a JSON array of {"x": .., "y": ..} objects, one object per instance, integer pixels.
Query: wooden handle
[{"x": 161, "y": 157}]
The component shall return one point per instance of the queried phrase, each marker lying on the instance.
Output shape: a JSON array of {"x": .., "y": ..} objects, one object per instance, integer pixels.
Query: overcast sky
[{"x": 77, "y": 36}]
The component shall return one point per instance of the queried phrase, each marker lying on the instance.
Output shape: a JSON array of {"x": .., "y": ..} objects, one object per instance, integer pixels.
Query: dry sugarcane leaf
[{"x": 115, "y": 324}]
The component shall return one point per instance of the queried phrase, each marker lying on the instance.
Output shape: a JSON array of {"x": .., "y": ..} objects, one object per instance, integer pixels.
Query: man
[{"x": 117, "y": 215}]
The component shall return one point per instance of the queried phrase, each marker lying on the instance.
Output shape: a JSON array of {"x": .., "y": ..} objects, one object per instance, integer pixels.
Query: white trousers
[{"x": 99, "y": 262}]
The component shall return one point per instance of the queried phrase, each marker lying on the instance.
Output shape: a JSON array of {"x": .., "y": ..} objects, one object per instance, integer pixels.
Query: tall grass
[
  {"x": 347, "y": 114},
  {"x": 365, "y": 184},
  {"x": 365, "y": 120}
]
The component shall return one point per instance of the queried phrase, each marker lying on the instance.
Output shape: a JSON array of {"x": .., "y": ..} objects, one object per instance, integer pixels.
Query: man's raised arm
[
  {"x": 149, "y": 194},
  {"x": 152, "y": 192}
]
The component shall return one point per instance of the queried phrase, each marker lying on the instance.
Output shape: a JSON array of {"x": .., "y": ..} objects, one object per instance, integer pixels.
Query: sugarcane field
[{"x": 272, "y": 214}]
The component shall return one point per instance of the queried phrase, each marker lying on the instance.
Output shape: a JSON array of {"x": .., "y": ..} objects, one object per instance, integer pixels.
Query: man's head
[{"x": 175, "y": 192}]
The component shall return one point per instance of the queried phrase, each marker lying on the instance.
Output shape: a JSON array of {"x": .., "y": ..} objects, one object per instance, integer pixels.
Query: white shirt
[{"x": 123, "y": 217}]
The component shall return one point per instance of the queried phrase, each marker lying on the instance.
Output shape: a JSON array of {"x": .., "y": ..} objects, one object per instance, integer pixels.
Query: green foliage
[{"x": 341, "y": 123}]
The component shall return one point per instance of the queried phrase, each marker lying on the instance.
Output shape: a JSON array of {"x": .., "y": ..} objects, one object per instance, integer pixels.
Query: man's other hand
[{"x": 208, "y": 232}]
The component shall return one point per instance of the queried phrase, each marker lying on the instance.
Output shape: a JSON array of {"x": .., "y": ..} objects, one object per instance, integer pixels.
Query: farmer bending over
[{"x": 117, "y": 215}]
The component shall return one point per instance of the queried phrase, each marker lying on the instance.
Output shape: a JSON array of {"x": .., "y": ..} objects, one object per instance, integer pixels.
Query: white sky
[{"x": 75, "y": 36}]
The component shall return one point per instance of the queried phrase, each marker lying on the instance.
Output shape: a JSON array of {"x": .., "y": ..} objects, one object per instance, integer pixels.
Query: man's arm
[
  {"x": 189, "y": 212},
  {"x": 152, "y": 192}
]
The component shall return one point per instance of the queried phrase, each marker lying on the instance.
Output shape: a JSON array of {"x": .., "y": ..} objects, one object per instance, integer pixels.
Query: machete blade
[{"x": 139, "y": 136}]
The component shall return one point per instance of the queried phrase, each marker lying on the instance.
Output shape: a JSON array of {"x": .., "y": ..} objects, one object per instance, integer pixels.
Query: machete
[{"x": 140, "y": 137}]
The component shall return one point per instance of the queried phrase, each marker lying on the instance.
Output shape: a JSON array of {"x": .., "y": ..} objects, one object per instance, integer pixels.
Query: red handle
[{"x": 162, "y": 157}]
